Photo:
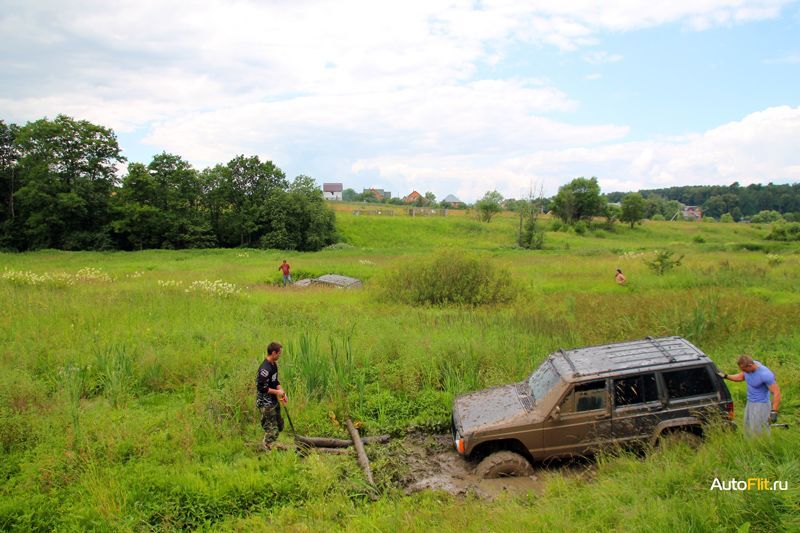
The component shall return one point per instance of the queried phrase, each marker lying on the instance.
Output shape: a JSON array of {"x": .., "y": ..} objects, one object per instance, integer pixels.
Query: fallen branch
[
  {"x": 332, "y": 451},
  {"x": 320, "y": 442},
  {"x": 363, "y": 461}
]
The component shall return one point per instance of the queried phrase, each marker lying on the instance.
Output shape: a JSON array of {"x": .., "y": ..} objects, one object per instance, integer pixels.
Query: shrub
[
  {"x": 450, "y": 277},
  {"x": 663, "y": 262},
  {"x": 581, "y": 227},
  {"x": 774, "y": 260},
  {"x": 727, "y": 217},
  {"x": 785, "y": 232},
  {"x": 658, "y": 216},
  {"x": 765, "y": 217}
]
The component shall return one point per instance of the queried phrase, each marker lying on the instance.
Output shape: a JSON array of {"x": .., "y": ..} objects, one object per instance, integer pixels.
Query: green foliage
[
  {"x": 531, "y": 236},
  {"x": 633, "y": 209},
  {"x": 578, "y": 200},
  {"x": 663, "y": 262},
  {"x": 449, "y": 277},
  {"x": 785, "y": 232},
  {"x": 59, "y": 189},
  {"x": 658, "y": 217},
  {"x": 64, "y": 173},
  {"x": 766, "y": 217},
  {"x": 489, "y": 206}
]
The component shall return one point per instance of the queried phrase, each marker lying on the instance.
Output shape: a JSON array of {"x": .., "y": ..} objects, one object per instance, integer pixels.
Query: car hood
[{"x": 489, "y": 409}]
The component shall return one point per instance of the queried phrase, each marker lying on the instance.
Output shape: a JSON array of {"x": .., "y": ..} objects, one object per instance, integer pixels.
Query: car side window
[
  {"x": 588, "y": 396},
  {"x": 635, "y": 390},
  {"x": 688, "y": 382}
]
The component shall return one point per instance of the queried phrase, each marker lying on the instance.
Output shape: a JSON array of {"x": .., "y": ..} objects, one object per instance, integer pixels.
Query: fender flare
[{"x": 686, "y": 421}]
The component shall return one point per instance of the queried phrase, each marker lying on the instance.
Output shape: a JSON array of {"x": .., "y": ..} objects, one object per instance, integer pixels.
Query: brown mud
[{"x": 434, "y": 465}]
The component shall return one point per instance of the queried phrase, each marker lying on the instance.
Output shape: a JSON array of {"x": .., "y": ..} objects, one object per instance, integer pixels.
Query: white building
[{"x": 332, "y": 191}]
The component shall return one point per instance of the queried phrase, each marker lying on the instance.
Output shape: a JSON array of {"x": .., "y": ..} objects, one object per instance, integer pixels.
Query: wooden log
[
  {"x": 331, "y": 451},
  {"x": 363, "y": 461},
  {"x": 321, "y": 442}
]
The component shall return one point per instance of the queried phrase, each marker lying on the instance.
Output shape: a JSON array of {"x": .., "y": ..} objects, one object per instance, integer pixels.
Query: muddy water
[{"x": 434, "y": 465}]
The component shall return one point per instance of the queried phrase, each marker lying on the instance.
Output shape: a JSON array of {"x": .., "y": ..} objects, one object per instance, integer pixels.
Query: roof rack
[
  {"x": 569, "y": 361},
  {"x": 654, "y": 342}
]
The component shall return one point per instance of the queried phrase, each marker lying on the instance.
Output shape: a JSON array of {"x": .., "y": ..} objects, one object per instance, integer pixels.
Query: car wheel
[
  {"x": 674, "y": 438},
  {"x": 503, "y": 464}
]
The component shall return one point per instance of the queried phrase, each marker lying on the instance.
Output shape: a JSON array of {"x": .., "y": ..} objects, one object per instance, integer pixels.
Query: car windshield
[{"x": 543, "y": 380}]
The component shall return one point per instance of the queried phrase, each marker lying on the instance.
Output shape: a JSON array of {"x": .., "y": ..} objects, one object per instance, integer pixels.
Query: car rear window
[
  {"x": 688, "y": 382},
  {"x": 635, "y": 389}
]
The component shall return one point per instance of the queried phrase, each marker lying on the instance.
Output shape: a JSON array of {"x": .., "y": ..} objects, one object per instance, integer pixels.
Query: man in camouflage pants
[{"x": 269, "y": 395}]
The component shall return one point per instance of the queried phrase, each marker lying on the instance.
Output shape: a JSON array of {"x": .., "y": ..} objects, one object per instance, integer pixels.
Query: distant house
[
  {"x": 692, "y": 212},
  {"x": 413, "y": 197},
  {"x": 332, "y": 191},
  {"x": 379, "y": 194},
  {"x": 453, "y": 201}
]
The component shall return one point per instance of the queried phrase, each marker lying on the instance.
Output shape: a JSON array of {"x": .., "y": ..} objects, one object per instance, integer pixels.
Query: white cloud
[
  {"x": 598, "y": 57},
  {"x": 759, "y": 148},
  {"x": 396, "y": 86}
]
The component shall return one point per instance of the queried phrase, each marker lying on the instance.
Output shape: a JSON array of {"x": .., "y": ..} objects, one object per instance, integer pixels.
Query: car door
[
  {"x": 637, "y": 407},
  {"x": 580, "y": 423},
  {"x": 690, "y": 393}
]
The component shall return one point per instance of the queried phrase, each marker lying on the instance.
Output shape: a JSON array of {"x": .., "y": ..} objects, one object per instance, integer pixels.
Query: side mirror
[{"x": 556, "y": 414}]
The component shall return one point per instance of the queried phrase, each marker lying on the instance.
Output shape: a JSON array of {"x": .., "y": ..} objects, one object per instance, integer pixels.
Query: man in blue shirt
[{"x": 760, "y": 382}]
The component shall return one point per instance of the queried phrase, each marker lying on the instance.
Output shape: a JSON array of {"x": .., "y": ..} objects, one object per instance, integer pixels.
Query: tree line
[
  {"x": 59, "y": 188},
  {"x": 737, "y": 201}
]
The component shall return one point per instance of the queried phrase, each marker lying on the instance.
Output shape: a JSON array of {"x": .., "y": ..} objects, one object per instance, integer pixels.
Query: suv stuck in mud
[{"x": 583, "y": 400}]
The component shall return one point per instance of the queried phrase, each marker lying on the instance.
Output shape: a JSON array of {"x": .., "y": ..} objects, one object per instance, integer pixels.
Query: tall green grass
[{"x": 129, "y": 404}]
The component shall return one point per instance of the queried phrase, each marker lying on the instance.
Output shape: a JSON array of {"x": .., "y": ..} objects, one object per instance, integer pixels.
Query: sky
[{"x": 452, "y": 97}]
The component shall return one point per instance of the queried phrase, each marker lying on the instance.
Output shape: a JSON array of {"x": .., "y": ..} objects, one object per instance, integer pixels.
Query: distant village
[{"x": 336, "y": 192}]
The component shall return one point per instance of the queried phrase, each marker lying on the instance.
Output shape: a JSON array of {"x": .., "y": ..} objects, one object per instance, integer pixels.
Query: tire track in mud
[{"x": 434, "y": 465}]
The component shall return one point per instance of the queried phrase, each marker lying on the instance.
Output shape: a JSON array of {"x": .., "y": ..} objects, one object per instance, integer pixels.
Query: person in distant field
[
  {"x": 760, "y": 383},
  {"x": 620, "y": 278},
  {"x": 287, "y": 276},
  {"x": 270, "y": 395}
]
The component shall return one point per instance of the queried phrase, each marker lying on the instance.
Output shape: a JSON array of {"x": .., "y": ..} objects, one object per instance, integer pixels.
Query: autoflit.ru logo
[{"x": 749, "y": 484}]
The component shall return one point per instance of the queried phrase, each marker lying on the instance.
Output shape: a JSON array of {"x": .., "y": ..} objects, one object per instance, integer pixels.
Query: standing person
[
  {"x": 286, "y": 272},
  {"x": 760, "y": 382},
  {"x": 269, "y": 394},
  {"x": 619, "y": 277}
]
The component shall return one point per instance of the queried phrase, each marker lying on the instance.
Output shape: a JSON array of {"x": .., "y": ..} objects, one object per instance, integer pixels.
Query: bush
[
  {"x": 727, "y": 217},
  {"x": 658, "y": 217},
  {"x": 450, "y": 277},
  {"x": 766, "y": 217},
  {"x": 663, "y": 262},
  {"x": 785, "y": 232},
  {"x": 581, "y": 227}
]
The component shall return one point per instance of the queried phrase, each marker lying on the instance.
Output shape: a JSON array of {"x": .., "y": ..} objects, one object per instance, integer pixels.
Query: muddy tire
[{"x": 504, "y": 464}]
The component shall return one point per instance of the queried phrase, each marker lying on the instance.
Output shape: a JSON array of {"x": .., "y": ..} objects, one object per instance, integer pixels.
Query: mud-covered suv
[{"x": 583, "y": 400}]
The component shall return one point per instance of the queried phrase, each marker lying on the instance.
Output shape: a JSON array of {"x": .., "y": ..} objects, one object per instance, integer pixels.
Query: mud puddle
[{"x": 434, "y": 465}]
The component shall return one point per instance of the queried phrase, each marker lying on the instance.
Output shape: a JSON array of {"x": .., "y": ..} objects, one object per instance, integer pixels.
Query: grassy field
[{"x": 126, "y": 379}]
